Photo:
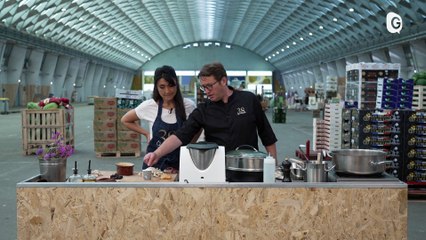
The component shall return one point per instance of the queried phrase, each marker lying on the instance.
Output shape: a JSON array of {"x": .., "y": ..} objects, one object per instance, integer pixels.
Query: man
[{"x": 230, "y": 118}]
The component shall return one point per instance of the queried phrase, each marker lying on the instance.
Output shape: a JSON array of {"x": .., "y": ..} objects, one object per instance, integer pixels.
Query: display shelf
[
  {"x": 419, "y": 97},
  {"x": 361, "y": 82}
]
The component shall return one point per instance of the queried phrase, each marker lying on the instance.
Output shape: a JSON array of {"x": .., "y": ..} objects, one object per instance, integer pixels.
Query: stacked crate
[
  {"x": 361, "y": 82},
  {"x": 415, "y": 149},
  {"x": 419, "y": 97},
  {"x": 105, "y": 126},
  {"x": 394, "y": 93},
  {"x": 321, "y": 133},
  {"x": 333, "y": 119},
  {"x": 327, "y": 133},
  {"x": 38, "y": 127},
  {"x": 128, "y": 141}
]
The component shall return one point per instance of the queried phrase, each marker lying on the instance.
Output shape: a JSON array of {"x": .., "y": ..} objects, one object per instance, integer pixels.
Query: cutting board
[{"x": 137, "y": 177}]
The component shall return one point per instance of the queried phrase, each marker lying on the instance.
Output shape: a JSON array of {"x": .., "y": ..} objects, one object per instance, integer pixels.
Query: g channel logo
[{"x": 393, "y": 22}]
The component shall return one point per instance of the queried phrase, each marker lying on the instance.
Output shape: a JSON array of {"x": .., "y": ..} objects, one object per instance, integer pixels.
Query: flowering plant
[{"x": 57, "y": 149}]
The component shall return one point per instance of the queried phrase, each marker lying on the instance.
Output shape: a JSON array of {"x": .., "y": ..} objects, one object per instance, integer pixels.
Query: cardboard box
[
  {"x": 121, "y": 112},
  {"x": 105, "y": 125},
  {"x": 128, "y": 136},
  {"x": 104, "y": 113},
  {"x": 102, "y": 102},
  {"x": 105, "y": 136},
  {"x": 106, "y": 147},
  {"x": 128, "y": 146}
]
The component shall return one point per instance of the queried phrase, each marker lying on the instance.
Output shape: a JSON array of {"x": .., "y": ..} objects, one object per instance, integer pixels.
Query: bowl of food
[{"x": 125, "y": 168}]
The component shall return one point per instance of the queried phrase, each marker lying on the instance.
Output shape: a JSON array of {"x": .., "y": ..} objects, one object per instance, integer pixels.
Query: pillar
[
  {"x": 60, "y": 74},
  {"x": 46, "y": 75},
  {"x": 88, "y": 80},
  {"x": 33, "y": 91},
  {"x": 70, "y": 79},
  {"x": 79, "y": 81},
  {"x": 14, "y": 70}
]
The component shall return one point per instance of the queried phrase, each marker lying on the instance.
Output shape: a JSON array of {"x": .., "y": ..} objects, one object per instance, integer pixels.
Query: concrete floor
[{"x": 16, "y": 167}]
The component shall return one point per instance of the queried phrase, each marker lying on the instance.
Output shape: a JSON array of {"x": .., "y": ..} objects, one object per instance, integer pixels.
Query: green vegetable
[
  {"x": 32, "y": 105},
  {"x": 50, "y": 106}
]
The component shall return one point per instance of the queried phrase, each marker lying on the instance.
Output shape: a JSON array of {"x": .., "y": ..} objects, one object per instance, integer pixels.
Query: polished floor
[{"x": 16, "y": 167}]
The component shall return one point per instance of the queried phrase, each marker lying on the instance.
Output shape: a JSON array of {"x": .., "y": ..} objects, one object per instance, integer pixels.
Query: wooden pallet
[{"x": 117, "y": 154}]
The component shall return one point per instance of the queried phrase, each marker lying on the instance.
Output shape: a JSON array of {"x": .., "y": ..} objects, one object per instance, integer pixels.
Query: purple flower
[{"x": 57, "y": 149}]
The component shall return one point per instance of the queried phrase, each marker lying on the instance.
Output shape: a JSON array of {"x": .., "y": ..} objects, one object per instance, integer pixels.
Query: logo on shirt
[{"x": 241, "y": 110}]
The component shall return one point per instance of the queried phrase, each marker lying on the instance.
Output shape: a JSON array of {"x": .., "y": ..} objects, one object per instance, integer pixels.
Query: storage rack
[{"x": 361, "y": 82}]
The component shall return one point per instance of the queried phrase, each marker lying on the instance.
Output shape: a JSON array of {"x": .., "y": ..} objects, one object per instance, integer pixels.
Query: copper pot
[{"x": 125, "y": 168}]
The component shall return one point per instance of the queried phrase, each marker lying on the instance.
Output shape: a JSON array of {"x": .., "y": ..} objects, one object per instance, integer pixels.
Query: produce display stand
[{"x": 38, "y": 126}]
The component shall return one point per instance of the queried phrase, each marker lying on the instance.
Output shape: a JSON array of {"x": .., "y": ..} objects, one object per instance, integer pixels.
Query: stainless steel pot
[
  {"x": 244, "y": 165},
  {"x": 360, "y": 161},
  {"x": 245, "y": 160},
  {"x": 315, "y": 171}
]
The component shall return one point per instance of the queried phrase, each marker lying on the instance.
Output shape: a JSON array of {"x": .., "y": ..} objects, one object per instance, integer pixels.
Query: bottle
[
  {"x": 89, "y": 177},
  {"x": 269, "y": 169},
  {"x": 75, "y": 177},
  {"x": 285, "y": 168}
]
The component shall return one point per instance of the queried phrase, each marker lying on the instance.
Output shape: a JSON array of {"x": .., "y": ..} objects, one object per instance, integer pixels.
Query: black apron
[{"x": 160, "y": 132}]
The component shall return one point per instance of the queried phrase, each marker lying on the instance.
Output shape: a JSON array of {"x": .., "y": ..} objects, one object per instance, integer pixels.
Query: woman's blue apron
[{"x": 160, "y": 132}]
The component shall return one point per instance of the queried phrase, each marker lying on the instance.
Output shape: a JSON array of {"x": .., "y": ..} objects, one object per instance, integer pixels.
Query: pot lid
[
  {"x": 246, "y": 153},
  {"x": 202, "y": 145}
]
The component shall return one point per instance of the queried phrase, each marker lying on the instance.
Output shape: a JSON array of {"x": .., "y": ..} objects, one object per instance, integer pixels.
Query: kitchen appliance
[
  {"x": 360, "y": 161},
  {"x": 244, "y": 164},
  {"x": 202, "y": 162}
]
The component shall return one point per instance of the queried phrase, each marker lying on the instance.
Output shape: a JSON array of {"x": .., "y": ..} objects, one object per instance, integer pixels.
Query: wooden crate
[
  {"x": 419, "y": 98},
  {"x": 38, "y": 126}
]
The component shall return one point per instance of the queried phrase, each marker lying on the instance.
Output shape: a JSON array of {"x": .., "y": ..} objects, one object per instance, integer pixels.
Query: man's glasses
[{"x": 207, "y": 86}]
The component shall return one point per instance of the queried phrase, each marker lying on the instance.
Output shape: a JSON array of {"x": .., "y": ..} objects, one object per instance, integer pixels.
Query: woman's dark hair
[
  {"x": 168, "y": 73},
  {"x": 215, "y": 69}
]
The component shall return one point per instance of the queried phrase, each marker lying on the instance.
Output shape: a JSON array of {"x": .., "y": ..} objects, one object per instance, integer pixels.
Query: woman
[{"x": 165, "y": 113}]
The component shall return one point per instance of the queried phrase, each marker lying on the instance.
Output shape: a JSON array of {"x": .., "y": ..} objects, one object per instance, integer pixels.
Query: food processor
[{"x": 202, "y": 162}]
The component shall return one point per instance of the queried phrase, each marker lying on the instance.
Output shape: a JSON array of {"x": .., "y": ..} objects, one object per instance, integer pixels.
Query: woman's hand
[
  {"x": 148, "y": 138},
  {"x": 150, "y": 159}
]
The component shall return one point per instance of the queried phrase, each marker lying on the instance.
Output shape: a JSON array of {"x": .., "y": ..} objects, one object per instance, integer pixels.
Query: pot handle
[
  {"x": 380, "y": 162},
  {"x": 299, "y": 163},
  {"x": 330, "y": 168},
  {"x": 248, "y": 146}
]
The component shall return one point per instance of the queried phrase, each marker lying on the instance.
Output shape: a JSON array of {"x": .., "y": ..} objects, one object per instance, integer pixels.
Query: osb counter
[{"x": 172, "y": 210}]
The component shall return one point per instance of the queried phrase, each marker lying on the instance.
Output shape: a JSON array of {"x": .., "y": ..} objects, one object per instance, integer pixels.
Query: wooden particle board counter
[{"x": 172, "y": 210}]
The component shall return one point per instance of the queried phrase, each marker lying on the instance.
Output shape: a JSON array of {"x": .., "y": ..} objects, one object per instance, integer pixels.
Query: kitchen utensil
[
  {"x": 306, "y": 157},
  {"x": 360, "y": 161},
  {"x": 125, "y": 168},
  {"x": 315, "y": 171},
  {"x": 244, "y": 164},
  {"x": 147, "y": 174}
]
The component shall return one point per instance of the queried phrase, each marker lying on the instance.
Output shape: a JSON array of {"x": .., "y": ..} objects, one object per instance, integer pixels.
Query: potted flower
[{"x": 53, "y": 159}]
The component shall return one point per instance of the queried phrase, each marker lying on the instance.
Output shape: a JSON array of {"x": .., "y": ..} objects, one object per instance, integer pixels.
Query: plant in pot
[{"x": 53, "y": 159}]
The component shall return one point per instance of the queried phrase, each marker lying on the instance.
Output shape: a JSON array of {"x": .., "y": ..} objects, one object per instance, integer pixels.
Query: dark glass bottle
[{"x": 285, "y": 167}]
